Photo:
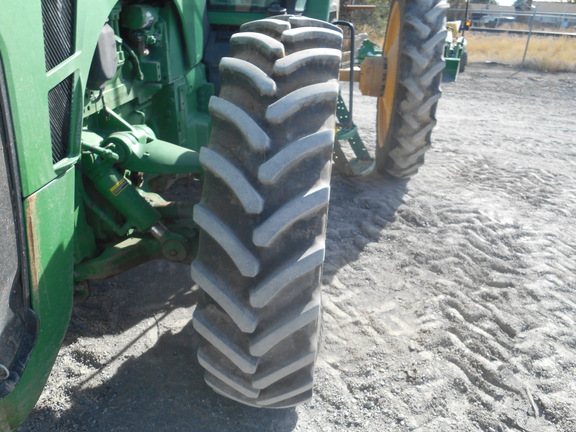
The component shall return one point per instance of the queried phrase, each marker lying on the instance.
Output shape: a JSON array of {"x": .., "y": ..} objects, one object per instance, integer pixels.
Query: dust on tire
[{"x": 264, "y": 209}]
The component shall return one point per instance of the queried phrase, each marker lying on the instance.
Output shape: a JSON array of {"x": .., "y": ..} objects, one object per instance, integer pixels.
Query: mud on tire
[
  {"x": 407, "y": 111},
  {"x": 263, "y": 211}
]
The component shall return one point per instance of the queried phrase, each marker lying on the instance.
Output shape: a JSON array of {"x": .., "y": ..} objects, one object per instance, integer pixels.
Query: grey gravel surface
[{"x": 449, "y": 299}]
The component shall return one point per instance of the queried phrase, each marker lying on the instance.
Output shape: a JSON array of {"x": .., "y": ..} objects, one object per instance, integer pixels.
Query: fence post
[{"x": 529, "y": 36}]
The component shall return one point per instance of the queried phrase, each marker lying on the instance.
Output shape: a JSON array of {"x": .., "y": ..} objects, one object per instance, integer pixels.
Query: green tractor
[
  {"x": 455, "y": 50},
  {"x": 105, "y": 104}
]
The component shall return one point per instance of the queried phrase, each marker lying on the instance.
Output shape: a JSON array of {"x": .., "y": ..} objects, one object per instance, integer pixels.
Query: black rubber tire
[
  {"x": 263, "y": 211},
  {"x": 463, "y": 61},
  {"x": 416, "y": 87}
]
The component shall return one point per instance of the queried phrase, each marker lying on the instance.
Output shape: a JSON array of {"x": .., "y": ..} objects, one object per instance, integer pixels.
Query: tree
[{"x": 372, "y": 21}]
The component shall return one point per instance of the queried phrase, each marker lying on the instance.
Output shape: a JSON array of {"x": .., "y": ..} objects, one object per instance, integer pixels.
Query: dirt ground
[{"x": 450, "y": 299}]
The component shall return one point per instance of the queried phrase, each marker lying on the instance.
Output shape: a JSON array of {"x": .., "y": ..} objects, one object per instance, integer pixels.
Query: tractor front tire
[
  {"x": 263, "y": 211},
  {"x": 413, "y": 46},
  {"x": 463, "y": 61}
]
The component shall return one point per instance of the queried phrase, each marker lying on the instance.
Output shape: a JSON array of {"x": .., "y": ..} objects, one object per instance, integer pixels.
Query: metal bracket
[
  {"x": 363, "y": 164},
  {"x": 133, "y": 251}
]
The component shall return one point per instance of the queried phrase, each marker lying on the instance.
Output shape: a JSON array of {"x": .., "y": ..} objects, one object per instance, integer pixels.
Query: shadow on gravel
[
  {"x": 123, "y": 301},
  {"x": 163, "y": 388},
  {"x": 360, "y": 208},
  {"x": 159, "y": 391}
]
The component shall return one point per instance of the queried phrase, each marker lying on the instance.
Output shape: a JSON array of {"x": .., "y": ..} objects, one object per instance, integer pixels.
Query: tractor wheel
[
  {"x": 413, "y": 47},
  {"x": 463, "y": 61},
  {"x": 263, "y": 211}
]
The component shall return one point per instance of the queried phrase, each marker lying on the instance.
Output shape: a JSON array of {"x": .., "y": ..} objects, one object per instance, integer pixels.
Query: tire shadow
[
  {"x": 160, "y": 390},
  {"x": 125, "y": 300},
  {"x": 360, "y": 209}
]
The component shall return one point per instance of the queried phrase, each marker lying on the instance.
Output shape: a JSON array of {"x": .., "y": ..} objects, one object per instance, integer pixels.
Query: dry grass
[{"x": 544, "y": 53}]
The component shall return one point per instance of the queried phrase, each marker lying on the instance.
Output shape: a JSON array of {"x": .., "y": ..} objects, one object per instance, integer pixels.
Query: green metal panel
[
  {"x": 18, "y": 323},
  {"x": 48, "y": 189},
  {"x": 31, "y": 123},
  {"x": 319, "y": 9},
  {"x": 451, "y": 69},
  {"x": 233, "y": 18},
  {"x": 50, "y": 252},
  {"x": 193, "y": 14},
  {"x": 199, "y": 123},
  {"x": 21, "y": 32}
]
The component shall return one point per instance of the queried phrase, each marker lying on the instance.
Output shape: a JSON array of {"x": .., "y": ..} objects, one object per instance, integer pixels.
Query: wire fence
[
  {"x": 505, "y": 21},
  {"x": 539, "y": 39},
  {"x": 542, "y": 40}
]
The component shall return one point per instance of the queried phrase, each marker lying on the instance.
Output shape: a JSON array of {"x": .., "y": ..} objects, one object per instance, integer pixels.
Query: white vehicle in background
[{"x": 493, "y": 21}]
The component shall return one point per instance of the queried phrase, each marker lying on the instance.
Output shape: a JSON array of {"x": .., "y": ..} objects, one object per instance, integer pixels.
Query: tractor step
[{"x": 360, "y": 165}]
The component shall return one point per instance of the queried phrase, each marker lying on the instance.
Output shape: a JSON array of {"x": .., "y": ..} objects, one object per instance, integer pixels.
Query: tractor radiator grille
[
  {"x": 60, "y": 104},
  {"x": 58, "y": 23}
]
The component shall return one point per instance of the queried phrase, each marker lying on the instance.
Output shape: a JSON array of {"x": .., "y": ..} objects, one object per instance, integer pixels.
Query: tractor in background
[
  {"x": 404, "y": 77},
  {"x": 455, "y": 50},
  {"x": 105, "y": 104}
]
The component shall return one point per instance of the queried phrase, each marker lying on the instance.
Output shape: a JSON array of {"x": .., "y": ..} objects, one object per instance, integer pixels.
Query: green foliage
[{"x": 372, "y": 22}]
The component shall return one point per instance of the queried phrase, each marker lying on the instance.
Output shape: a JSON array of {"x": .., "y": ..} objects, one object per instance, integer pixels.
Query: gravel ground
[{"x": 450, "y": 300}]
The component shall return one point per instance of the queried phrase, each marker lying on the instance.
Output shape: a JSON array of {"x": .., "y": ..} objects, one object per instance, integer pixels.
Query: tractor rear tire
[
  {"x": 263, "y": 211},
  {"x": 413, "y": 46}
]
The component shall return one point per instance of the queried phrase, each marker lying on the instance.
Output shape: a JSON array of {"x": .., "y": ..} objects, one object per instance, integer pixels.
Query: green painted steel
[
  {"x": 136, "y": 147},
  {"x": 451, "y": 69},
  {"x": 113, "y": 260},
  {"x": 31, "y": 123},
  {"x": 233, "y": 18},
  {"x": 48, "y": 192},
  {"x": 50, "y": 255},
  {"x": 18, "y": 323},
  {"x": 153, "y": 155},
  {"x": 362, "y": 164},
  {"x": 368, "y": 49},
  {"x": 117, "y": 190},
  {"x": 319, "y": 9},
  {"x": 192, "y": 15},
  {"x": 455, "y": 51}
]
